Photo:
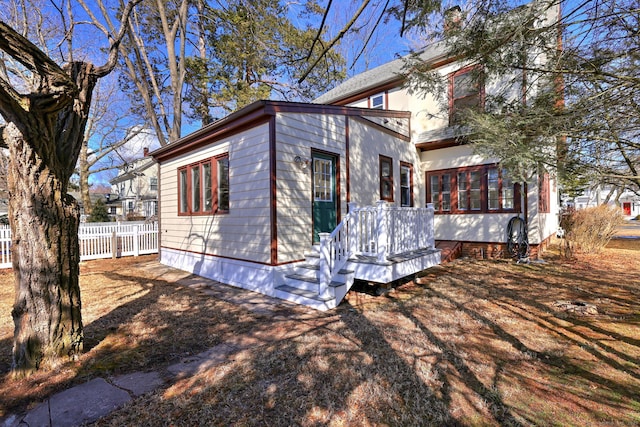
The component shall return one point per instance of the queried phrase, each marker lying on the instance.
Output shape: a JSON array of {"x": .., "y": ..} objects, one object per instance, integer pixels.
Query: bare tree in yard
[
  {"x": 44, "y": 131},
  {"x": 154, "y": 61},
  {"x": 107, "y": 130}
]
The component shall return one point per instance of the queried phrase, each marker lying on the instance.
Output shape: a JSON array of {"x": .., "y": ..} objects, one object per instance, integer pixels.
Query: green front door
[{"x": 324, "y": 194}]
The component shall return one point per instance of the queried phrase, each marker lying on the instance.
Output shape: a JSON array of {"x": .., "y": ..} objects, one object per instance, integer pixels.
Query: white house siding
[
  {"x": 452, "y": 157},
  {"x": 423, "y": 107},
  {"x": 487, "y": 227},
  {"x": 245, "y": 232},
  {"x": 542, "y": 225},
  {"x": 366, "y": 144},
  {"x": 297, "y": 134}
]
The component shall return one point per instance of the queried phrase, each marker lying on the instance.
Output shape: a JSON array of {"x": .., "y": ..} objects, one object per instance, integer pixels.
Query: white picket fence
[{"x": 101, "y": 240}]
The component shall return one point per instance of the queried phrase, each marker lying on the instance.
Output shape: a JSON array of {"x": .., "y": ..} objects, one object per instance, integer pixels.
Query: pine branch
[{"x": 335, "y": 40}]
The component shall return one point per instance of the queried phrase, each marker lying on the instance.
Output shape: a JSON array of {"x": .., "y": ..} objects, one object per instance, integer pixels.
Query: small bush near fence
[{"x": 589, "y": 230}]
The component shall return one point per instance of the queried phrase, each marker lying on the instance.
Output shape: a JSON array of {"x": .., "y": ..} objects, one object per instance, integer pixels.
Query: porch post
[
  {"x": 431, "y": 227},
  {"x": 353, "y": 228},
  {"x": 325, "y": 266},
  {"x": 382, "y": 230}
]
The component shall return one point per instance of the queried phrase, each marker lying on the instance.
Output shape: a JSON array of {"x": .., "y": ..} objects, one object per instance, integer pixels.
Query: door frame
[{"x": 337, "y": 194}]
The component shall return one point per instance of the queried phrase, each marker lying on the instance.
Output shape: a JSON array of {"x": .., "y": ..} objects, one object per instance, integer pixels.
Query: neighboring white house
[
  {"x": 134, "y": 191},
  {"x": 628, "y": 201},
  {"x": 244, "y": 199},
  {"x": 630, "y": 204}
]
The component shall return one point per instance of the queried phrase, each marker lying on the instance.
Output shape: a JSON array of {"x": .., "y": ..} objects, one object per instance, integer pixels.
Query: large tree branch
[
  {"x": 29, "y": 55},
  {"x": 12, "y": 104},
  {"x": 56, "y": 88}
]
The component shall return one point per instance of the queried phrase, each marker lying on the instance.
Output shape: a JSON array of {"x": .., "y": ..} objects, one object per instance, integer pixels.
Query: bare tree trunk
[
  {"x": 44, "y": 133},
  {"x": 83, "y": 166},
  {"x": 44, "y": 225}
]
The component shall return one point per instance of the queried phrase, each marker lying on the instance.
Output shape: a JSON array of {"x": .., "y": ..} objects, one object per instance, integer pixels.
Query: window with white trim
[{"x": 377, "y": 101}]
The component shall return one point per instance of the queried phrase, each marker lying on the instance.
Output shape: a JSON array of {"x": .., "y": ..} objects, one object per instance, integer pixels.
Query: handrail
[{"x": 335, "y": 251}]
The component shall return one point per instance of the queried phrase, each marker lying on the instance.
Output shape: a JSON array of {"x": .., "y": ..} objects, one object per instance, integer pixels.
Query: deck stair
[
  {"x": 301, "y": 284},
  {"x": 376, "y": 244}
]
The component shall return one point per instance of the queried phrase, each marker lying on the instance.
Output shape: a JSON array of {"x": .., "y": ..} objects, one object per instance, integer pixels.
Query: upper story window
[
  {"x": 377, "y": 101},
  {"x": 466, "y": 90},
  {"x": 153, "y": 184},
  {"x": 203, "y": 187}
]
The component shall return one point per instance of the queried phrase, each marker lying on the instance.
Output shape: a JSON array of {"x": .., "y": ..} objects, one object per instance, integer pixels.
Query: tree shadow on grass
[
  {"x": 161, "y": 322},
  {"x": 307, "y": 369},
  {"x": 518, "y": 307},
  {"x": 497, "y": 407},
  {"x": 521, "y": 301}
]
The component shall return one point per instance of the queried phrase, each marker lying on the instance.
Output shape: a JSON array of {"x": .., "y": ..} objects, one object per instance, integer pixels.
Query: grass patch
[{"x": 469, "y": 343}]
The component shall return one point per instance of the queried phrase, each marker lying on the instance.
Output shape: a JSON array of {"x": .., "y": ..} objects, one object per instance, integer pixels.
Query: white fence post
[
  {"x": 136, "y": 240},
  {"x": 382, "y": 230},
  {"x": 114, "y": 244},
  {"x": 325, "y": 265},
  {"x": 5, "y": 248}
]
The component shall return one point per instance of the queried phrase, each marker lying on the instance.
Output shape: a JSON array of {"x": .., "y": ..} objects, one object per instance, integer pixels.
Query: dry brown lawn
[{"x": 467, "y": 343}]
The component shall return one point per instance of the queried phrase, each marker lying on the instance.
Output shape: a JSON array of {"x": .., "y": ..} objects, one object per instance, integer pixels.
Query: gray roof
[
  {"x": 139, "y": 166},
  {"x": 378, "y": 76},
  {"x": 448, "y": 132}
]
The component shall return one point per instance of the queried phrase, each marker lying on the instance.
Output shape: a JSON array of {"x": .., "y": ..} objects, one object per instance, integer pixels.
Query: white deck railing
[
  {"x": 375, "y": 231},
  {"x": 101, "y": 240}
]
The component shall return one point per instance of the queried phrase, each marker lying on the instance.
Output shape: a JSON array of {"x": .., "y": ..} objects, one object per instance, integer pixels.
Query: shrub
[
  {"x": 589, "y": 230},
  {"x": 99, "y": 212}
]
